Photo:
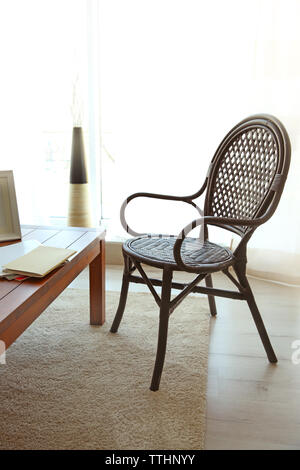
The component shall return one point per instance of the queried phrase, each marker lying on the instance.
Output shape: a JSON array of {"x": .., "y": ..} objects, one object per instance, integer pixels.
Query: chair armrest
[
  {"x": 156, "y": 196},
  {"x": 187, "y": 199},
  {"x": 211, "y": 220}
]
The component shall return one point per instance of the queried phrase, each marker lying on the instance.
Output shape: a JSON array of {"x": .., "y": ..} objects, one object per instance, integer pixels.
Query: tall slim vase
[{"x": 79, "y": 213}]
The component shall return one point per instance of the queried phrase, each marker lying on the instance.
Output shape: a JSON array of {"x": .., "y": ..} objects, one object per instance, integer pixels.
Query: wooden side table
[{"x": 22, "y": 302}]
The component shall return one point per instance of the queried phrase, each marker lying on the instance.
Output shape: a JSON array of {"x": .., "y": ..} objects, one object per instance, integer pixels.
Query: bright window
[
  {"x": 43, "y": 58},
  {"x": 174, "y": 78},
  {"x": 161, "y": 82}
]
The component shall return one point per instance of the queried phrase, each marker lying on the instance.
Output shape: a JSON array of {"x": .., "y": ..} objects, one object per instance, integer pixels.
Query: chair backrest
[{"x": 248, "y": 171}]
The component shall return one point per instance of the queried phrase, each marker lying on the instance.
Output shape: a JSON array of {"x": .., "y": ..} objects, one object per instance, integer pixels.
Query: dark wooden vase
[{"x": 79, "y": 213}]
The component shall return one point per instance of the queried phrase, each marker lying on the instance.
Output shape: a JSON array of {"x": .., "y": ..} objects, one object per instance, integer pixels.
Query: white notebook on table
[
  {"x": 38, "y": 262},
  {"x": 11, "y": 252}
]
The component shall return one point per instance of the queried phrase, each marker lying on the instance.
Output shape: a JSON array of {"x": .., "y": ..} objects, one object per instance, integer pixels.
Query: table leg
[{"x": 97, "y": 287}]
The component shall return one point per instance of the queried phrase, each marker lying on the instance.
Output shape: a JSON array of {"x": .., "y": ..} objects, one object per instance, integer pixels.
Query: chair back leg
[
  {"x": 163, "y": 328},
  {"x": 241, "y": 274}
]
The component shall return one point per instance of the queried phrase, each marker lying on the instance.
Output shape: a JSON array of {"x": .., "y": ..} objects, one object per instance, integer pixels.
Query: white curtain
[
  {"x": 44, "y": 59},
  {"x": 274, "y": 251},
  {"x": 172, "y": 84},
  {"x": 162, "y": 82},
  {"x": 175, "y": 77}
]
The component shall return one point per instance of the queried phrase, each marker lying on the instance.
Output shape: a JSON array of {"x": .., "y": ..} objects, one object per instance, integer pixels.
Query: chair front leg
[
  {"x": 123, "y": 296},
  {"x": 163, "y": 328},
  {"x": 211, "y": 298},
  {"x": 241, "y": 274}
]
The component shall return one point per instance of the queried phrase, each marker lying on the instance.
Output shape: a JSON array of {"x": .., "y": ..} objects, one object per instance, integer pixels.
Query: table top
[{"x": 85, "y": 241}]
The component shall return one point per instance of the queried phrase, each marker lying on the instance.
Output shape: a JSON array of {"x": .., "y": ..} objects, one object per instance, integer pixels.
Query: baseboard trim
[{"x": 114, "y": 252}]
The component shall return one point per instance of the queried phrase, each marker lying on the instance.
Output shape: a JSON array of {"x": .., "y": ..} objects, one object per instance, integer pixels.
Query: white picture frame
[{"x": 9, "y": 215}]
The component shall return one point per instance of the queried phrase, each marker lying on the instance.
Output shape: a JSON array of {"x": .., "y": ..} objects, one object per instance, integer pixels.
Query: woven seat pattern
[
  {"x": 244, "y": 175},
  {"x": 194, "y": 251}
]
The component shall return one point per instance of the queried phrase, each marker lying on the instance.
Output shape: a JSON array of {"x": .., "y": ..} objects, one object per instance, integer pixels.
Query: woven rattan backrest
[{"x": 248, "y": 168}]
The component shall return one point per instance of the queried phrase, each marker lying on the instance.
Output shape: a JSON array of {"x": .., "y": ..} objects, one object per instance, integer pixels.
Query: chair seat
[{"x": 158, "y": 251}]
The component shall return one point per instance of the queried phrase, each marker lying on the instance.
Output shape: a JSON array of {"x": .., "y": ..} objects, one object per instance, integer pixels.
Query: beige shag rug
[{"x": 69, "y": 385}]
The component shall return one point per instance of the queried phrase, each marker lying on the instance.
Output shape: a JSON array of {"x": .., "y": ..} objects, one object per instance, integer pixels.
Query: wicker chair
[{"x": 243, "y": 187}]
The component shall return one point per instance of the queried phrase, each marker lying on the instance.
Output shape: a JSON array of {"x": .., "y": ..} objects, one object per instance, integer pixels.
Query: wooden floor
[{"x": 251, "y": 404}]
